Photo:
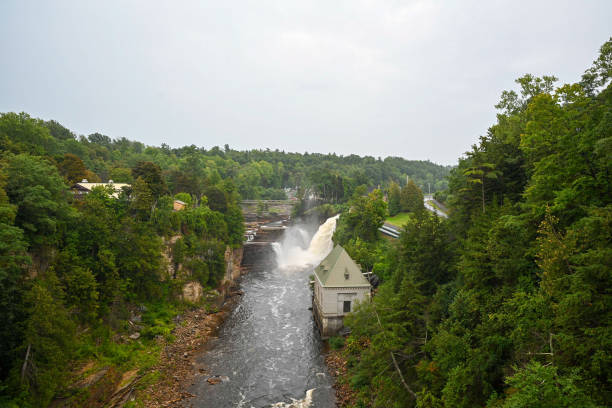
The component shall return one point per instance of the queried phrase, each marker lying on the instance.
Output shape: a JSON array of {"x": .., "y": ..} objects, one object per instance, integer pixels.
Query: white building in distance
[{"x": 84, "y": 187}]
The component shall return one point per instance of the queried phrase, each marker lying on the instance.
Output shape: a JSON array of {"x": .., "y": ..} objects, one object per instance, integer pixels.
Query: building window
[{"x": 347, "y": 306}]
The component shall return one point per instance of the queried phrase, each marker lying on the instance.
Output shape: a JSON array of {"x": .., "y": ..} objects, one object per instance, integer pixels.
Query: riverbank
[
  {"x": 337, "y": 366},
  {"x": 177, "y": 367},
  {"x": 267, "y": 353},
  {"x": 151, "y": 365}
]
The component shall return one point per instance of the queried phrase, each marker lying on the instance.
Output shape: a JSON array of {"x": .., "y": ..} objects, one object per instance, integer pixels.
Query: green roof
[{"x": 339, "y": 270}]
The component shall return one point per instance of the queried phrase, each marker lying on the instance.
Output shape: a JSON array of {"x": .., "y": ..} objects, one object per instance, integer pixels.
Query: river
[{"x": 269, "y": 352}]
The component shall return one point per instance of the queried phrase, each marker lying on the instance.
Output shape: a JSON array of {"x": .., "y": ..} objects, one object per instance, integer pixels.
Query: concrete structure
[
  {"x": 339, "y": 285},
  {"x": 269, "y": 210},
  {"x": 434, "y": 206},
  {"x": 390, "y": 230}
]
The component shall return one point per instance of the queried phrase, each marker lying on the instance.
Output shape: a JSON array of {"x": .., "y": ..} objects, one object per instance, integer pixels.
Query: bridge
[{"x": 267, "y": 210}]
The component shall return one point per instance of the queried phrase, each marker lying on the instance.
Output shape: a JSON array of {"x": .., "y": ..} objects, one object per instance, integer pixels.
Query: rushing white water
[
  {"x": 303, "y": 403},
  {"x": 269, "y": 348},
  {"x": 292, "y": 251}
]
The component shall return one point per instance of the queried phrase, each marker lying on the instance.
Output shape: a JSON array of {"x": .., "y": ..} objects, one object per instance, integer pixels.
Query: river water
[{"x": 268, "y": 351}]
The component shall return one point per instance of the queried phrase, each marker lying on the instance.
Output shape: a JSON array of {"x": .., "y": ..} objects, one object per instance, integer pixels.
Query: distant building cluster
[{"x": 84, "y": 187}]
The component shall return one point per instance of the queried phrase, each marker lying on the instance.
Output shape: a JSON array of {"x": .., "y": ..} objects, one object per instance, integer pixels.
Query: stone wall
[
  {"x": 258, "y": 256},
  {"x": 328, "y": 326}
]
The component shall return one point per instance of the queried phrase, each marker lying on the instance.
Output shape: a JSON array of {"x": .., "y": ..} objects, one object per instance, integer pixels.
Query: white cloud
[{"x": 412, "y": 78}]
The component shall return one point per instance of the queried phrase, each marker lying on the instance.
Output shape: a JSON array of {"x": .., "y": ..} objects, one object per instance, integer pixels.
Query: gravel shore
[{"x": 177, "y": 366}]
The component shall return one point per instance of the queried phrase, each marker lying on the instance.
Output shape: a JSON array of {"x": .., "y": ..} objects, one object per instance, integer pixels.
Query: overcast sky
[{"x": 416, "y": 79}]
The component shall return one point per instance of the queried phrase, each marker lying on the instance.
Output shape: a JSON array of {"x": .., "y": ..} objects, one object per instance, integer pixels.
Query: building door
[{"x": 347, "y": 306}]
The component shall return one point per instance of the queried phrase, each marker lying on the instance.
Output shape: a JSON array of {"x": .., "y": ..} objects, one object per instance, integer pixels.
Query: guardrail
[
  {"x": 389, "y": 231},
  {"x": 277, "y": 202}
]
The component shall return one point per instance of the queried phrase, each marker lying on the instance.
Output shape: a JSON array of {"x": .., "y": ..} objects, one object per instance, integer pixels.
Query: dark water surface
[{"x": 269, "y": 348}]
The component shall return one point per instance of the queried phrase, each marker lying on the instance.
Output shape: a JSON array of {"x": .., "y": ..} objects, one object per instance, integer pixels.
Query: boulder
[
  {"x": 217, "y": 379},
  {"x": 192, "y": 292}
]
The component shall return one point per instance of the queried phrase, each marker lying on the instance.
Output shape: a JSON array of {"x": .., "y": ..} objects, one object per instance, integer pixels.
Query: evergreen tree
[
  {"x": 143, "y": 199},
  {"x": 151, "y": 174},
  {"x": 411, "y": 197},
  {"x": 394, "y": 199},
  {"x": 48, "y": 340}
]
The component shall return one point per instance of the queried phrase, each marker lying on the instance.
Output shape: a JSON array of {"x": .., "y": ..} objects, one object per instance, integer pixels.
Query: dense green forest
[
  {"x": 257, "y": 174},
  {"x": 74, "y": 270},
  {"x": 507, "y": 303}
]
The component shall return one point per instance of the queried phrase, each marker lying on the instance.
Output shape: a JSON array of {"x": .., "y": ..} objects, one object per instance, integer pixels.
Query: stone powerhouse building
[{"x": 338, "y": 285}]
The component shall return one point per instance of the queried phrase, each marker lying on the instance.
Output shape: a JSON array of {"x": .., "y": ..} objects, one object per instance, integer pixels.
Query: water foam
[
  {"x": 302, "y": 403},
  {"x": 295, "y": 252},
  {"x": 291, "y": 252}
]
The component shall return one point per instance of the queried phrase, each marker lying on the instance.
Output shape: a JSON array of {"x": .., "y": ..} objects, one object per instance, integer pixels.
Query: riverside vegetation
[
  {"x": 507, "y": 303},
  {"x": 76, "y": 274}
]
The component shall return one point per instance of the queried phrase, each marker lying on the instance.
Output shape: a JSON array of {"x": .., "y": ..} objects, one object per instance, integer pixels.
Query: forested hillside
[
  {"x": 506, "y": 304},
  {"x": 257, "y": 174},
  {"x": 73, "y": 270}
]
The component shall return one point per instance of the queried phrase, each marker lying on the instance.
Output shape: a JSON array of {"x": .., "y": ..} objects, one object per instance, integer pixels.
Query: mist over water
[
  {"x": 269, "y": 347},
  {"x": 297, "y": 251}
]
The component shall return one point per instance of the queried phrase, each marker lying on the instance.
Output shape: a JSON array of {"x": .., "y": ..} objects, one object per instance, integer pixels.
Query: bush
[{"x": 336, "y": 342}]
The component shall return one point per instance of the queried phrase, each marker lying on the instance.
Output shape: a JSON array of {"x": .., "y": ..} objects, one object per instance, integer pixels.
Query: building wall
[
  {"x": 328, "y": 306},
  {"x": 328, "y": 326},
  {"x": 331, "y": 299}
]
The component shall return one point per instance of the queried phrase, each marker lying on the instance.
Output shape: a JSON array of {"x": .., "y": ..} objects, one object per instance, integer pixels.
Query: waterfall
[{"x": 295, "y": 251}]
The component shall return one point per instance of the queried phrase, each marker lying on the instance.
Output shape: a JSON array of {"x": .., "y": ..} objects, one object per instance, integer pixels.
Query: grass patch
[
  {"x": 102, "y": 344},
  {"x": 399, "y": 219}
]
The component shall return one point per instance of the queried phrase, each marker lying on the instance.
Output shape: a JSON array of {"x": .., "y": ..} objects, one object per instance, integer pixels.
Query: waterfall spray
[{"x": 292, "y": 251}]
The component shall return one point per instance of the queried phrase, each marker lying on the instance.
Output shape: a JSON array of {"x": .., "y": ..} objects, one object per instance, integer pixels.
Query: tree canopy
[{"x": 506, "y": 303}]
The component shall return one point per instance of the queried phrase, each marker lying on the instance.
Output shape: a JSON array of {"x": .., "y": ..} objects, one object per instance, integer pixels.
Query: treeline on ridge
[
  {"x": 507, "y": 303},
  {"x": 257, "y": 174}
]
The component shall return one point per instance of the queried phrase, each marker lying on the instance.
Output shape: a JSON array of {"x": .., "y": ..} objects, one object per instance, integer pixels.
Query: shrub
[{"x": 336, "y": 342}]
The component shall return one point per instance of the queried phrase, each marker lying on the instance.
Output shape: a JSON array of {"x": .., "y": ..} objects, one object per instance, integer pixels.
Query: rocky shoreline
[
  {"x": 336, "y": 364},
  {"x": 177, "y": 366}
]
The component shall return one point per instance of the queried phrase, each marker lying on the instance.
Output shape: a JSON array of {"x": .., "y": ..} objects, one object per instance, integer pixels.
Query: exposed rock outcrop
[{"x": 192, "y": 292}]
